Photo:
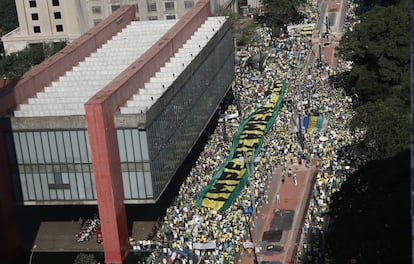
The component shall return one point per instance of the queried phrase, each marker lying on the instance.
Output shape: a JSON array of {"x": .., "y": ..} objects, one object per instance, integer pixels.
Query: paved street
[{"x": 292, "y": 197}]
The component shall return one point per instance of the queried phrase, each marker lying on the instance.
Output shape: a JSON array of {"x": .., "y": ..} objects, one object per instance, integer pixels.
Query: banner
[
  {"x": 312, "y": 123},
  {"x": 208, "y": 245},
  {"x": 248, "y": 244},
  {"x": 307, "y": 31},
  {"x": 231, "y": 177}
]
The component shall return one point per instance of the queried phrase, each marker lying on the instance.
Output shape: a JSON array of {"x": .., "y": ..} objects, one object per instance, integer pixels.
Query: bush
[{"x": 83, "y": 258}]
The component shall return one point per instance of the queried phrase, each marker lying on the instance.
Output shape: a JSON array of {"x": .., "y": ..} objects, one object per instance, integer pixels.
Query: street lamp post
[
  {"x": 248, "y": 161},
  {"x": 300, "y": 134},
  {"x": 31, "y": 254}
]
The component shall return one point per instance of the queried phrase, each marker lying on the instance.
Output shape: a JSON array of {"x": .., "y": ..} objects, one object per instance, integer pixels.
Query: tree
[
  {"x": 8, "y": 16},
  {"x": 387, "y": 125},
  {"x": 280, "y": 13},
  {"x": 369, "y": 218},
  {"x": 83, "y": 258},
  {"x": 366, "y": 5},
  {"x": 379, "y": 48},
  {"x": 16, "y": 64},
  {"x": 370, "y": 215}
]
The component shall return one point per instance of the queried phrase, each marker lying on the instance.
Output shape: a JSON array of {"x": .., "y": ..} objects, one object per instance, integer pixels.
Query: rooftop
[{"x": 67, "y": 95}]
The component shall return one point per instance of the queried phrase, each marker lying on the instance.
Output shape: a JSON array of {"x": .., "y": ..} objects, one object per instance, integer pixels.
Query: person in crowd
[{"x": 186, "y": 226}]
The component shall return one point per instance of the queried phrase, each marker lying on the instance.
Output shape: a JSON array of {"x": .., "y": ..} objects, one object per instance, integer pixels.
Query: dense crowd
[
  {"x": 88, "y": 228},
  {"x": 332, "y": 148},
  {"x": 190, "y": 233}
]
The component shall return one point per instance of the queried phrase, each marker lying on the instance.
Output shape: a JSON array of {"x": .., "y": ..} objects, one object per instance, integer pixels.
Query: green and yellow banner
[
  {"x": 307, "y": 31},
  {"x": 229, "y": 180}
]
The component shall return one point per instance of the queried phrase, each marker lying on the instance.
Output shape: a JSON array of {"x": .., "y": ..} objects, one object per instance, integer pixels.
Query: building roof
[{"x": 67, "y": 95}]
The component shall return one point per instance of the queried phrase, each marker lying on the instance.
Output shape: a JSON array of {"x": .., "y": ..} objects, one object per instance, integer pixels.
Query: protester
[{"x": 190, "y": 233}]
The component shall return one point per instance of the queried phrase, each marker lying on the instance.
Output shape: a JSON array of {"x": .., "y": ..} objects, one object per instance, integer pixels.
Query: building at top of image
[
  {"x": 109, "y": 119},
  {"x": 66, "y": 20}
]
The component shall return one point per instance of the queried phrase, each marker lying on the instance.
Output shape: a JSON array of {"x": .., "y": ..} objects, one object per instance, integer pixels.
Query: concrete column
[{"x": 108, "y": 181}]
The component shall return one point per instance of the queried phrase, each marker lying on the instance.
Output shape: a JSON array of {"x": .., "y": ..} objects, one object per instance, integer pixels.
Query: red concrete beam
[{"x": 108, "y": 182}]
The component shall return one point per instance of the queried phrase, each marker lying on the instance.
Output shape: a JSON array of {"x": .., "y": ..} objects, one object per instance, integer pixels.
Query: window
[
  {"x": 32, "y": 3},
  {"x": 152, "y": 18},
  {"x": 152, "y": 7},
  {"x": 58, "y": 178},
  {"x": 55, "y": 3},
  {"x": 170, "y": 17},
  {"x": 58, "y": 15},
  {"x": 169, "y": 5},
  {"x": 188, "y": 3},
  {"x": 58, "y": 182},
  {"x": 59, "y": 28},
  {"x": 115, "y": 7},
  {"x": 35, "y": 16},
  {"x": 136, "y": 8},
  {"x": 36, "y": 29},
  {"x": 96, "y": 9}
]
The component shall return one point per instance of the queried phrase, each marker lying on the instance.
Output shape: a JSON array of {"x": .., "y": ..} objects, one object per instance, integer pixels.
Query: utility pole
[
  {"x": 299, "y": 109},
  {"x": 320, "y": 53},
  {"x": 249, "y": 161}
]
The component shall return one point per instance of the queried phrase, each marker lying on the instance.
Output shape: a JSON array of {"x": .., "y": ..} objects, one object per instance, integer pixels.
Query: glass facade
[
  {"x": 51, "y": 165},
  {"x": 56, "y": 165},
  {"x": 176, "y": 129},
  {"x": 134, "y": 157}
]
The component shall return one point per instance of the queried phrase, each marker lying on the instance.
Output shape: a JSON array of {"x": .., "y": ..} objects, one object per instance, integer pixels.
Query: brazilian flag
[{"x": 312, "y": 123}]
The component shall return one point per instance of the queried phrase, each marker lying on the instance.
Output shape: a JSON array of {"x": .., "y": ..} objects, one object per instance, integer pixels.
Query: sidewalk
[
  {"x": 335, "y": 10},
  {"x": 279, "y": 224}
]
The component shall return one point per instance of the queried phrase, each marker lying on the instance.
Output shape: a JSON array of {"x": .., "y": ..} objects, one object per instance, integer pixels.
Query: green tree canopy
[
  {"x": 366, "y": 5},
  {"x": 379, "y": 48},
  {"x": 83, "y": 258},
  {"x": 388, "y": 128},
  {"x": 281, "y": 12},
  {"x": 370, "y": 216},
  {"x": 8, "y": 16},
  {"x": 16, "y": 64}
]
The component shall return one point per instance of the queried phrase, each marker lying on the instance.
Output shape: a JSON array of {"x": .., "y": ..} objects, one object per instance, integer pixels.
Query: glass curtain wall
[
  {"x": 51, "y": 165},
  {"x": 172, "y": 135},
  {"x": 56, "y": 165}
]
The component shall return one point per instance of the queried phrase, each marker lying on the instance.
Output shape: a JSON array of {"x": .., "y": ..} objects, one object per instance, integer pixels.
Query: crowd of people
[
  {"x": 332, "y": 148},
  {"x": 190, "y": 233},
  {"x": 88, "y": 229}
]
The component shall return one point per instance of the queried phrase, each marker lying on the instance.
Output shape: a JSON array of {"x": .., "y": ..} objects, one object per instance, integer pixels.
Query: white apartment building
[
  {"x": 46, "y": 21},
  {"x": 65, "y": 20}
]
